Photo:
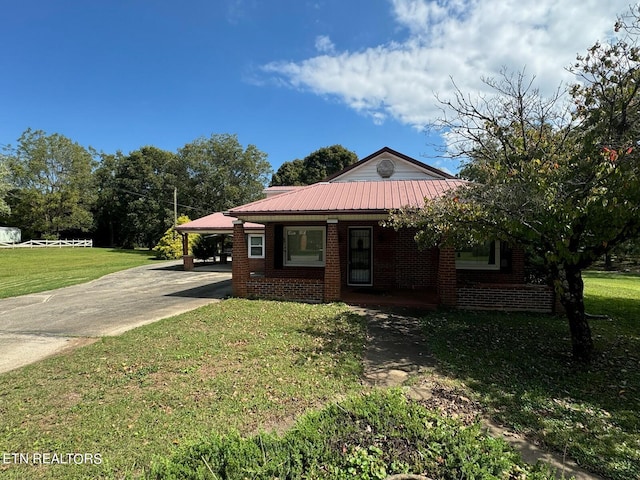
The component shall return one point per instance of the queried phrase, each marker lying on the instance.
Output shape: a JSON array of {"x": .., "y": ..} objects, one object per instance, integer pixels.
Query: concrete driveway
[{"x": 35, "y": 326}]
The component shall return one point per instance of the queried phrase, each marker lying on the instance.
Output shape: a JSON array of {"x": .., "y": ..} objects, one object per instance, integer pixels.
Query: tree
[
  {"x": 326, "y": 161},
  {"x": 141, "y": 188},
  {"x": 222, "y": 174},
  {"x": 4, "y": 189},
  {"x": 105, "y": 211},
  {"x": 315, "y": 167},
  {"x": 52, "y": 180},
  {"x": 560, "y": 178},
  {"x": 288, "y": 174}
]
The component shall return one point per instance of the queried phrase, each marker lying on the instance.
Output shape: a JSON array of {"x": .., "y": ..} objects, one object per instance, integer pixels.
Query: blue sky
[{"x": 289, "y": 76}]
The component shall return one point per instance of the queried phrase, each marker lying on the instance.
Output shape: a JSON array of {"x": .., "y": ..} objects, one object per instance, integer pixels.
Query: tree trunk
[{"x": 572, "y": 299}]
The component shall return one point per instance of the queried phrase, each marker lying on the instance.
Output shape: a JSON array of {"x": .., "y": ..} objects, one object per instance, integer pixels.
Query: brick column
[
  {"x": 187, "y": 260},
  {"x": 517, "y": 264},
  {"x": 447, "y": 276},
  {"x": 240, "y": 263},
  {"x": 332, "y": 281}
]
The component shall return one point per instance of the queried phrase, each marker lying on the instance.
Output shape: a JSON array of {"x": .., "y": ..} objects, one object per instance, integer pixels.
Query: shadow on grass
[
  {"x": 520, "y": 366},
  {"x": 342, "y": 339}
]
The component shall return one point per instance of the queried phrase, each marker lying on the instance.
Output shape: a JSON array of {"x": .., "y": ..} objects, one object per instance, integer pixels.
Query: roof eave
[{"x": 296, "y": 216}]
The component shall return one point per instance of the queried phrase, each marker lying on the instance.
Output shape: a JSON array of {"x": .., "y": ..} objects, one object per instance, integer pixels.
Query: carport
[{"x": 214, "y": 224}]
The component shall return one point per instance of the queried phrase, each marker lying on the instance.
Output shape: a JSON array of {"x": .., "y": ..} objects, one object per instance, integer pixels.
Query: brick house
[{"x": 324, "y": 243}]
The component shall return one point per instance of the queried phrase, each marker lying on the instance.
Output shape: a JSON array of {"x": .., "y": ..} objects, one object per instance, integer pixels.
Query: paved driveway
[{"x": 38, "y": 325}]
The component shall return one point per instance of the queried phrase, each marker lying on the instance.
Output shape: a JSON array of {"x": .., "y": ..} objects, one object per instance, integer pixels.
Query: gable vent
[{"x": 385, "y": 168}]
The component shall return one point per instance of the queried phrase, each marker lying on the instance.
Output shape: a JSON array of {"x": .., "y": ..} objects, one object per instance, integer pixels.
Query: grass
[
  {"x": 235, "y": 365},
  {"x": 246, "y": 366},
  {"x": 364, "y": 437},
  {"x": 32, "y": 270},
  {"x": 518, "y": 366}
]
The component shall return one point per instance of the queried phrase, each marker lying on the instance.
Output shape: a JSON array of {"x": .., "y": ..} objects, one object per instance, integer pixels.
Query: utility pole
[{"x": 175, "y": 207}]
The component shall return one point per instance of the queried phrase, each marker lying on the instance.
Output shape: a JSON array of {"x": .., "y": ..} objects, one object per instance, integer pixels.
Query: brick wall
[
  {"x": 516, "y": 297},
  {"x": 332, "y": 277},
  {"x": 256, "y": 265},
  {"x": 414, "y": 269},
  {"x": 304, "y": 290},
  {"x": 447, "y": 276},
  {"x": 240, "y": 264},
  {"x": 397, "y": 262}
]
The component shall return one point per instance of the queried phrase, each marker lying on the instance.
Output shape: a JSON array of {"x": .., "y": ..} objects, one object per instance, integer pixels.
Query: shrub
[
  {"x": 169, "y": 247},
  {"x": 367, "y": 437}
]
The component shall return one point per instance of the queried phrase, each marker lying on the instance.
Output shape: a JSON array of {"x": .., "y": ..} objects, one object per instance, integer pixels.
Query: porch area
[{"x": 427, "y": 300}]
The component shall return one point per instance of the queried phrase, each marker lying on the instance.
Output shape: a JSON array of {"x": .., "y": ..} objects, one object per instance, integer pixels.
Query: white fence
[{"x": 49, "y": 243}]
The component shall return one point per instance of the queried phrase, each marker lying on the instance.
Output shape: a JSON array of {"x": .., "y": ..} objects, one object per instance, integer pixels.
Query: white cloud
[
  {"x": 461, "y": 39},
  {"x": 324, "y": 44}
]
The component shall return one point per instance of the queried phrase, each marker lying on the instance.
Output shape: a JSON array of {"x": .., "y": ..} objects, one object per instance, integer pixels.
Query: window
[
  {"x": 255, "y": 245},
  {"x": 484, "y": 256},
  {"x": 304, "y": 246}
]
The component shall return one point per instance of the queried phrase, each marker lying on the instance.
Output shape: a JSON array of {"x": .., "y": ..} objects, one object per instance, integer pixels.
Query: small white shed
[{"x": 10, "y": 235}]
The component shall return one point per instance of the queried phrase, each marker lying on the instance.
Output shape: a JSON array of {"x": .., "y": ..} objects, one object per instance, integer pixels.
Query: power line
[{"x": 145, "y": 195}]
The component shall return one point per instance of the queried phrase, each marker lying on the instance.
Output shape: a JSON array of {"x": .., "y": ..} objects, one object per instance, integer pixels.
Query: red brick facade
[
  {"x": 301, "y": 289},
  {"x": 514, "y": 297},
  {"x": 240, "y": 265},
  {"x": 332, "y": 270},
  {"x": 447, "y": 276},
  {"x": 397, "y": 265}
]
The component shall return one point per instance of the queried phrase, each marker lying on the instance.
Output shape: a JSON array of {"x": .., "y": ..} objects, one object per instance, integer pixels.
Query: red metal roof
[
  {"x": 215, "y": 222},
  {"x": 352, "y": 197}
]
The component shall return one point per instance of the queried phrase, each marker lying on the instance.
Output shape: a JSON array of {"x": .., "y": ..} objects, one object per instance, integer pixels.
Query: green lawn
[
  {"x": 238, "y": 364},
  {"x": 250, "y": 365},
  {"x": 518, "y": 366},
  {"x": 32, "y": 270}
]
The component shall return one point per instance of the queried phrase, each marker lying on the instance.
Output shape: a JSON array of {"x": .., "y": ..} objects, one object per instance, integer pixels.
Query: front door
[{"x": 359, "y": 271}]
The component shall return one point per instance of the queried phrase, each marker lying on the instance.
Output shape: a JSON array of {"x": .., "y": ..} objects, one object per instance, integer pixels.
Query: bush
[
  {"x": 367, "y": 437},
  {"x": 169, "y": 247}
]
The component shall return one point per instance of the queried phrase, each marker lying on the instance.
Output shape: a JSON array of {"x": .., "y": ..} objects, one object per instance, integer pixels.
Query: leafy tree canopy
[
  {"x": 561, "y": 178},
  {"x": 52, "y": 180},
  {"x": 289, "y": 174},
  {"x": 315, "y": 167},
  {"x": 4, "y": 188},
  {"x": 142, "y": 193},
  {"x": 222, "y": 174}
]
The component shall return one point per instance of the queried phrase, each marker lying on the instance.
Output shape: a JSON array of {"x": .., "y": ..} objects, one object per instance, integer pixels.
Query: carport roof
[{"x": 215, "y": 223}]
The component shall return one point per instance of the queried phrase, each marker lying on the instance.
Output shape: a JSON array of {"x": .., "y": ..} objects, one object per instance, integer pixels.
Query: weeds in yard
[{"x": 364, "y": 438}]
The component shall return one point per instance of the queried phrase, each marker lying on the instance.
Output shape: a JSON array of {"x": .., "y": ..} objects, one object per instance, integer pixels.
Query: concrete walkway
[
  {"x": 35, "y": 326},
  {"x": 397, "y": 352}
]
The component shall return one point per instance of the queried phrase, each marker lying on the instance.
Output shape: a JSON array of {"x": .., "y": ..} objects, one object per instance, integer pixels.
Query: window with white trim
[
  {"x": 255, "y": 245},
  {"x": 304, "y": 246},
  {"x": 484, "y": 256}
]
